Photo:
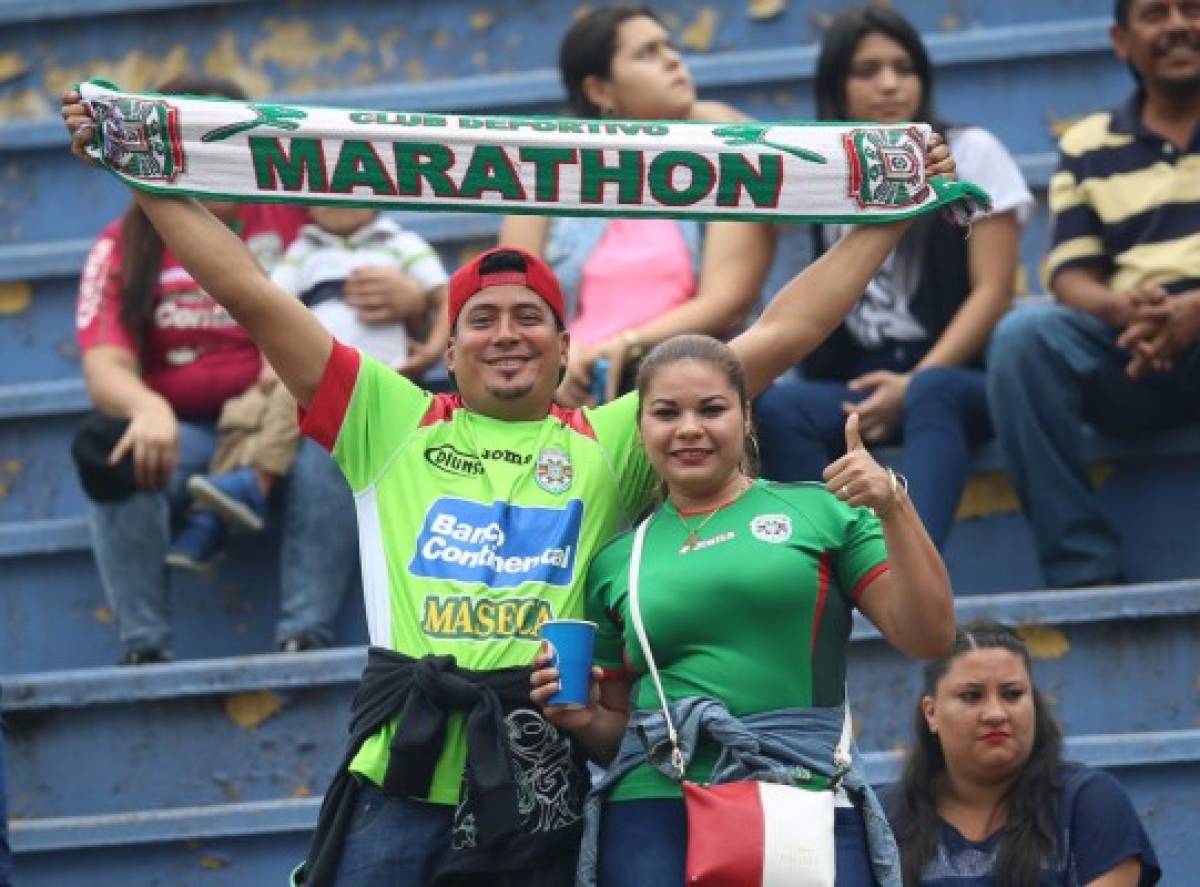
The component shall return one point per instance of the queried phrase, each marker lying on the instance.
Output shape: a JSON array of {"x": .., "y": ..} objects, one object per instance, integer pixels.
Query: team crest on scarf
[
  {"x": 141, "y": 138},
  {"x": 885, "y": 167},
  {"x": 773, "y": 528},
  {"x": 553, "y": 471}
]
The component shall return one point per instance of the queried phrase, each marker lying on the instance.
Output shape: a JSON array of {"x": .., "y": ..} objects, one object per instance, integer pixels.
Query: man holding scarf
[{"x": 478, "y": 513}]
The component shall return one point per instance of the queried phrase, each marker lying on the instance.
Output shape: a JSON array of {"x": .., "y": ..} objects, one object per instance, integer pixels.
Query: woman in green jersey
[{"x": 747, "y": 589}]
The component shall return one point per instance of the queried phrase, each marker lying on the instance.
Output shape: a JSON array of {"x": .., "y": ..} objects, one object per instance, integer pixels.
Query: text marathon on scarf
[{"x": 258, "y": 152}]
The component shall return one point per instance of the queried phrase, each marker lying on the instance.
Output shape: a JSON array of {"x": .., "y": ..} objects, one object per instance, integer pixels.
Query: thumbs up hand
[
  {"x": 857, "y": 479},
  {"x": 854, "y": 439}
]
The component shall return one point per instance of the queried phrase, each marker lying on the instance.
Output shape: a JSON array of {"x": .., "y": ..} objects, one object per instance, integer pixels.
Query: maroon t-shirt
[{"x": 194, "y": 354}]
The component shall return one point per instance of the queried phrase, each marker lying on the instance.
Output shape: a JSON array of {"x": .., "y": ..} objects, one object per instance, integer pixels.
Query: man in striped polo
[{"x": 1120, "y": 348}]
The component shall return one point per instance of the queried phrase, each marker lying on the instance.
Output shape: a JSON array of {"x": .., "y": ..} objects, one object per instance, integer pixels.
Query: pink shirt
[{"x": 640, "y": 270}]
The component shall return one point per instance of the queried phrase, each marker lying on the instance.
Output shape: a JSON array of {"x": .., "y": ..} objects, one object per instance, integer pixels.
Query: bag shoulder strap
[
  {"x": 635, "y": 613},
  {"x": 841, "y": 758}
]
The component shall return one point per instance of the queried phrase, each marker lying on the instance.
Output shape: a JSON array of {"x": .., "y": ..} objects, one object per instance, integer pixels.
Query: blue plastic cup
[{"x": 571, "y": 642}]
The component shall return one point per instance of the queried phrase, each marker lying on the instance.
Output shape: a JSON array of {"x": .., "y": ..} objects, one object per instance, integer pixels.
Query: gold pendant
[{"x": 689, "y": 543}]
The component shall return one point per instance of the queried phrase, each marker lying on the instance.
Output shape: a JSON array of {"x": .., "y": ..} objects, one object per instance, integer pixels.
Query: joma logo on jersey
[
  {"x": 507, "y": 456},
  {"x": 499, "y": 545},
  {"x": 466, "y": 616}
]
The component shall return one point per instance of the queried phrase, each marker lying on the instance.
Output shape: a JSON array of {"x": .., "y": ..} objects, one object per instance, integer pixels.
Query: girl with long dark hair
[
  {"x": 909, "y": 356},
  {"x": 985, "y": 797},
  {"x": 620, "y": 61},
  {"x": 160, "y": 358}
]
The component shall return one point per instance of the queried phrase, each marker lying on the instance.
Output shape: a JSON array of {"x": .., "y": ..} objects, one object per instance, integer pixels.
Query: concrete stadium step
[
  {"x": 38, "y": 421},
  {"x": 250, "y": 728},
  {"x": 37, "y": 323},
  {"x": 228, "y": 845},
  {"x": 1145, "y": 486},
  {"x": 237, "y": 844},
  {"x": 267, "y": 727},
  {"x": 53, "y": 614},
  {"x": 1133, "y": 643}
]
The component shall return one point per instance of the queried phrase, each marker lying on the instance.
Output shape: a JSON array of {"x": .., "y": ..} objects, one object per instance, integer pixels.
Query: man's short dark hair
[
  {"x": 502, "y": 260},
  {"x": 1121, "y": 12}
]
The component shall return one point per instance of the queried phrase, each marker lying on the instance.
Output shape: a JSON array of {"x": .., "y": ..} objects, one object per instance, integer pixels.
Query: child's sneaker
[
  {"x": 200, "y": 544},
  {"x": 234, "y": 495}
]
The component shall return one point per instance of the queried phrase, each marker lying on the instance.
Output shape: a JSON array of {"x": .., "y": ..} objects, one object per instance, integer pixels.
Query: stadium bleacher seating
[{"x": 209, "y": 770}]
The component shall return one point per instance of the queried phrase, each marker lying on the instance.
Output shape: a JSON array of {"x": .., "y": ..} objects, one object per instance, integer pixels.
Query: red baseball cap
[{"x": 537, "y": 276}]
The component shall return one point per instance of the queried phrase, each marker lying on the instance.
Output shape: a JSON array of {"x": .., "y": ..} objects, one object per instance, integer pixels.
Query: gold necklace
[{"x": 693, "y": 533}]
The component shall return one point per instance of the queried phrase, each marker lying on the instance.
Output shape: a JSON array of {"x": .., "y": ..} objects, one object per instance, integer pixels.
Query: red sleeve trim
[
  {"x": 323, "y": 419},
  {"x": 872, "y": 574}
]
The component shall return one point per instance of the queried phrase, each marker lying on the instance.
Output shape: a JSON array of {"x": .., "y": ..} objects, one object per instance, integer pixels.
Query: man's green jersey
[
  {"x": 757, "y": 613},
  {"x": 473, "y": 531}
]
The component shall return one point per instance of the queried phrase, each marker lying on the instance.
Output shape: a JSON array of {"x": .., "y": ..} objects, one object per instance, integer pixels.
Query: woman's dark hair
[
  {"x": 1028, "y": 835},
  {"x": 837, "y": 52},
  {"x": 1121, "y": 12},
  {"x": 141, "y": 262},
  {"x": 706, "y": 350},
  {"x": 588, "y": 47}
]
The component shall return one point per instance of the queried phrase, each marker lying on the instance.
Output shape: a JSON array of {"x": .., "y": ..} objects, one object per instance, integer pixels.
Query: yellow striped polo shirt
[{"x": 1126, "y": 201}]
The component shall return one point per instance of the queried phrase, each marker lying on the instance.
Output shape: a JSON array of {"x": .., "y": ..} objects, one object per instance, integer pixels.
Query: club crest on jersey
[
  {"x": 553, "y": 471},
  {"x": 774, "y": 528}
]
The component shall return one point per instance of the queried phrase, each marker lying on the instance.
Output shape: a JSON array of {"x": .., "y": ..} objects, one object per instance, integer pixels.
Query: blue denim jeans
[
  {"x": 1050, "y": 369},
  {"x": 644, "y": 844},
  {"x": 801, "y": 429},
  {"x": 393, "y": 842},
  {"x": 319, "y": 552},
  {"x": 5, "y": 850}
]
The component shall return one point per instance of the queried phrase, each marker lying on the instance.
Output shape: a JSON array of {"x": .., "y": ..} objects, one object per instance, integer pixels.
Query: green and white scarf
[{"x": 257, "y": 152}]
